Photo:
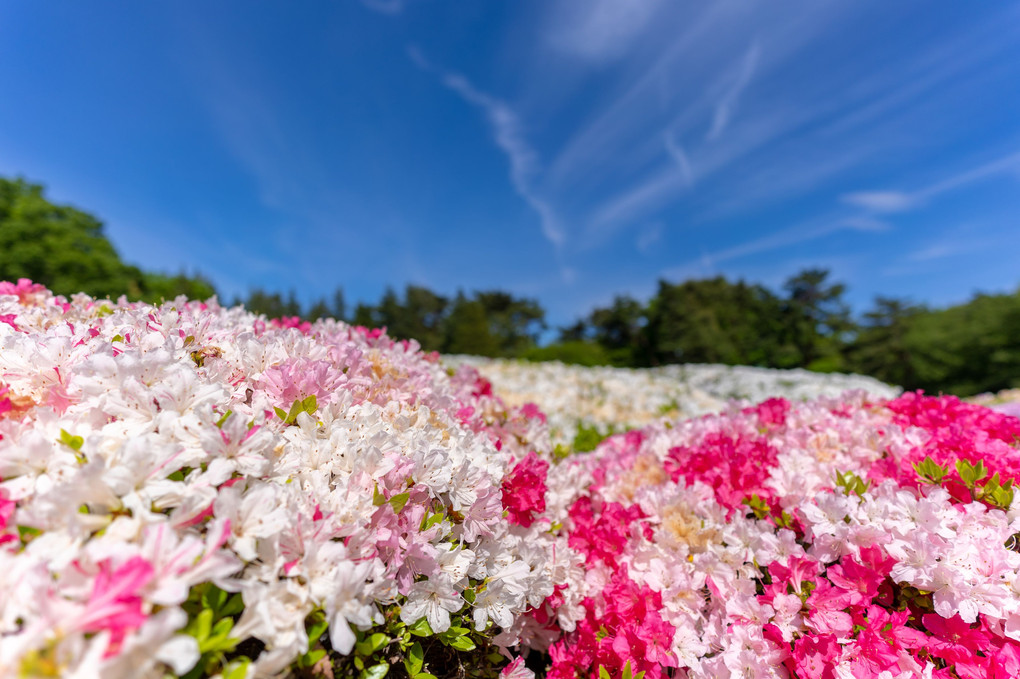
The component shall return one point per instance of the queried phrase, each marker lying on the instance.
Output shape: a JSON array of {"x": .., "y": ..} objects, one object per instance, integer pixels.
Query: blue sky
[{"x": 567, "y": 150}]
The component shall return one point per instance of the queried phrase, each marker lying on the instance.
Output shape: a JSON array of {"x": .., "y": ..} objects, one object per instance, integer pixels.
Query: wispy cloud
[
  {"x": 508, "y": 134},
  {"x": 599, "y": 30},
  {"x": 799, "y": 233},
  {"x": 881, "y": 201},
  {"x": 648, "y": 237},
  {"x": 679, "y": 156},
  {"x": 727, "y": 104},
  {"x": 900, "y": 201}
]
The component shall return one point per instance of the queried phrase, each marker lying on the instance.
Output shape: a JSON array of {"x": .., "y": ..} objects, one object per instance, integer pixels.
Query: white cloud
[
  {"x": 679, "y": 156},
  {"x": 1005, "y": 164},
  {"x": 727, "y": 104},
  {"x": 866, "y": 224},
  {"x": 881, "y": 201},
  {"x": 599, "y": 30},
  {"x": 793, "y": 235},
  {"x": 648, "y": 237},
  {"x": 508, "y": 134},
  {"x": 899, "y": 201}
]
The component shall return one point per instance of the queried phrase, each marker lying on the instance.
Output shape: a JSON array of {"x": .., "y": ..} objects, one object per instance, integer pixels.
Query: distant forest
[{"x": 964, "y": 349}]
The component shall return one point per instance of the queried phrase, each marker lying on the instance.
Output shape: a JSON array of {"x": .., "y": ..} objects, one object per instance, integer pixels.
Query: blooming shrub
[
  {"x": 193, "y": 491},
  {"x": 836, "y": 538}
]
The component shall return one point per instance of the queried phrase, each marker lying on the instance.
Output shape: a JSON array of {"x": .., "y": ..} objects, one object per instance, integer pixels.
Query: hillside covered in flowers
[{"x": 188, "y": 490}]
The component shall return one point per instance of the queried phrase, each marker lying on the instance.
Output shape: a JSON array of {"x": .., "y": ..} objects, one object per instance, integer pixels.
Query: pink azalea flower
[
  {"x": 524, "y": 490},
  {"x": 954, "y": 639},
  {"x": 516, "y": 670},
  {"x": 814, "y": 656},
  {"x": 115, "y": 604}
]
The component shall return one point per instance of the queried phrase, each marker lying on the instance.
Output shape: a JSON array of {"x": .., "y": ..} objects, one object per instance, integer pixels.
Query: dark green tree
[
  {"x": 881, "y": 348},
  {"x": 365, "y": 315},
  {"x": 339, "y": 308},
  {"x": 59, "y": 246},
  {"x": 320, "y": 309},
  {"x": 817, "y": 318},
  {"x": 269, "y": 303},
  {"x": 424, "y": 313},
  {"x": 467, "y": 329},
  {"x": 66, "y": 250},
  {"x": 620, "y": 330},
  {"x": 715, "y": 321},
  {"x": 514, "y": 323}
]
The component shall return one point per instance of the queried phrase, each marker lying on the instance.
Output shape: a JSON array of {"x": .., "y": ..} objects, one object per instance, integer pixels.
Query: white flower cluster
[
  {"x": 604, "y": 397},
  {"x": 148, "y": 450}
]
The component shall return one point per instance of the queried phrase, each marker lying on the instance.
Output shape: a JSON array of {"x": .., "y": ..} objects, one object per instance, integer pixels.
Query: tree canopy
[
  {"x": 65, "y": 249},
  {"x": 962, "y": 349}
]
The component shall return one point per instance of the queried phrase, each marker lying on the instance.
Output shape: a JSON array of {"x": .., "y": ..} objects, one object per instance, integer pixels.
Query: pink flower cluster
[
  {"x": 798, "y": 540},
  {"x": 192, "y": 490}
]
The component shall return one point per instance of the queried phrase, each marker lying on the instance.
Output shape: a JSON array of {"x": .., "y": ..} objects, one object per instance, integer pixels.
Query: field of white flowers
[
  {"x": 193, "y": 491},
  {"x": 574, "y": 398}
]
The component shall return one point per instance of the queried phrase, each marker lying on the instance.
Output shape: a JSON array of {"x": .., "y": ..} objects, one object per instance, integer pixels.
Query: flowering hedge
[{"x": 188, "y": 490}]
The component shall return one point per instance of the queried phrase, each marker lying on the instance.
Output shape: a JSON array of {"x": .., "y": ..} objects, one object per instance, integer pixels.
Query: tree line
[{"x": 963, "y": 349}]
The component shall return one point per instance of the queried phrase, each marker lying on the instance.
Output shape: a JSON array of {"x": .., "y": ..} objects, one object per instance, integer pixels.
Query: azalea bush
[
  {"x": 191, "y": 491},
  {"x": 837, "y": 538}
]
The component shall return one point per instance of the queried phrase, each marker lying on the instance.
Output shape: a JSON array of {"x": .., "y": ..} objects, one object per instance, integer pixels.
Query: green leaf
[
  {"x": 233, "y": 606},
  {"x": 469, "y": 595},
  {"x": 316, "y": 625},
  {"x": 72, "y": 442},
  {"x": 414, "y": 660},
  {"x": 432, "y": 521},
  {"x": 971, "y": 474},
  {"x": 421, "y": 628},
  {"x": 222, "y": 627},
  {"x": 281, "y": 413},
  {"x": 201, "y": 626},
  {"x": 463, "y": 644},
  {"x": 371, "y": 643},
  {"x": 378, "y": 499},
  {"x": 424, "y": 675},
  {"x": 213, "y": 598},
  {"x": 757, "y": 505},
  {"x": 313, "y": 656},
  {"x": 222, "y": 420},
  {"x": 603, "y": 672},
  {"x": 398, "y": 501},
  {"x": 375, "y": 671},
  {"x": 237, "y": 669},
  {"x": 851, "y": 483},
  {"x": 310, "y": 404},
  {"x": 930, "y": 471},
  {"x": 27, "y": 533},
  {"x": 296, "y": 409}
]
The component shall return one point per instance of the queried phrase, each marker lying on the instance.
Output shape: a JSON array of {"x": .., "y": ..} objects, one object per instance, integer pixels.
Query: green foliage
[
  {"x": 992, "y": 492},
  {"x": 66, "y": 250},
  {"x": 308, "y": 405},
  {"x": 964, "y": 349},
  {"x": 851, "y": 483},
  {"x": 467, "y": 330},
  {"x": 211, "y": 617},
  {"x": 588, "y": 439},
  {"x": 576, "y": 352},
  {"x": 930, "y": 472},
  {"x": 272, "y": 304}
]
